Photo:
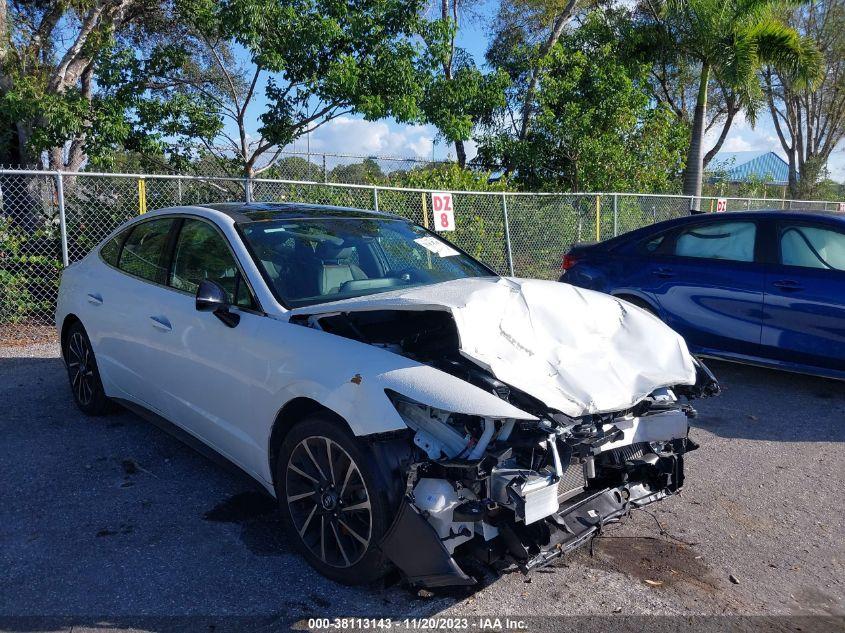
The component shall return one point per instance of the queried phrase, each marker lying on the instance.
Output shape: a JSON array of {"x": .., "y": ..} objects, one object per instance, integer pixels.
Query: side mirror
[{"x": 212, "y": 298}]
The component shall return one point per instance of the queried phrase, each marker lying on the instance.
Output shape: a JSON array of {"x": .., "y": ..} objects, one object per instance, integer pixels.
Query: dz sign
[{"x": 444, "y": 212}]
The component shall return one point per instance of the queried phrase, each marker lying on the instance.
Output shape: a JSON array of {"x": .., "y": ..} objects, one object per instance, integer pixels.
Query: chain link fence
[{"x": 49, "y": 220}]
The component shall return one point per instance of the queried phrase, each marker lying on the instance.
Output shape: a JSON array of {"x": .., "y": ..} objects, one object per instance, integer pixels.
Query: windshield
[{"x": 312, "y": 261}]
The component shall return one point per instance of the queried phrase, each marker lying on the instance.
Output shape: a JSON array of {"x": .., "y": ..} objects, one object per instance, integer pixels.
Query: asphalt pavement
[{"x": 112, "y": 524}]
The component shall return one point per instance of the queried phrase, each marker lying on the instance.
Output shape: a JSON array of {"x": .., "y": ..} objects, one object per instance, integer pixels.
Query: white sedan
[{"x": 407, "y": 406}]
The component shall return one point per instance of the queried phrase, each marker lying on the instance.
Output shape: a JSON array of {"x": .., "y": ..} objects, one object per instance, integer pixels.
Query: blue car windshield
[{"x": 310, "y": 261}]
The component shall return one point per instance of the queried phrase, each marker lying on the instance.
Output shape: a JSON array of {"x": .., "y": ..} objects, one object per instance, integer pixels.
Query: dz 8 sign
[{"x": 444, "y": 212}]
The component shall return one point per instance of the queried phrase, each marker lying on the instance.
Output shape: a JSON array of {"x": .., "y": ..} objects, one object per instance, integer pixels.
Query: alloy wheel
[
  {"x": 328, "y": 501},
  {"x": 81, "y": 367}
]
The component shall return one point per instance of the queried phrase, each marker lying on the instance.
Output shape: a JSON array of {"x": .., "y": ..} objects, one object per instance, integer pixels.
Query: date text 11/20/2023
[{"x": 418, "y": 624}]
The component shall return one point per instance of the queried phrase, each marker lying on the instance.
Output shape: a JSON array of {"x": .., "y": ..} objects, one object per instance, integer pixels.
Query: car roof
[
  {"x": 246, "y": 212},
  {"x": 758, "y": 214},
  {"x": 764, "y": 214}
]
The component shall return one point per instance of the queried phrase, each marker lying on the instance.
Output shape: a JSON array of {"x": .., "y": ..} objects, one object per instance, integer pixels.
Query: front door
[{"x": 205, "y": 370}]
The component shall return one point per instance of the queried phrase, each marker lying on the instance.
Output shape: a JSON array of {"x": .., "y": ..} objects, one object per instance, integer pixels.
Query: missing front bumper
[{"x": 417, "y": 550}]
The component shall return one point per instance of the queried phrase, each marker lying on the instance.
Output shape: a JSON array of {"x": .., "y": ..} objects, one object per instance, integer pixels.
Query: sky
[{"x": 353, "y": 135}]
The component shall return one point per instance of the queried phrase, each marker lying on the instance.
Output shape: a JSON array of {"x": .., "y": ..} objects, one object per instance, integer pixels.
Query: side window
[
  {"x": 143, "y": 251},
  {"x": 812, "y": 247},
  {"x": 733, "y": 241},
  {"x": 652, "y": 244},
  {"x": 202, "y": 253},
  {"x": 111, "y": 249}
]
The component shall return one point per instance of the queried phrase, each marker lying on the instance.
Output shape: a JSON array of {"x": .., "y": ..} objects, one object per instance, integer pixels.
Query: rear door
[
  {"x": 709, "y": 284},
  {"x": 119, "y": 300},
  {"x": 804, "y": 314}
]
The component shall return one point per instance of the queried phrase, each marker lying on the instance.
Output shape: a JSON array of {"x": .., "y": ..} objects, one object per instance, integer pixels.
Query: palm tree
[{"x": 731, "y": 41}]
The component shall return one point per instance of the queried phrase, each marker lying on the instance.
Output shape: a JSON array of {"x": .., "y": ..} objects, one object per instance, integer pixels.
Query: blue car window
[
  {"x": 812, "y": 247},
  {"x": 651, "y": 245},
  {"x": 732, "y": 241}
]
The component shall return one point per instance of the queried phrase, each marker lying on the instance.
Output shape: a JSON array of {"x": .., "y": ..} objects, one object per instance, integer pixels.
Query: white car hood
[{"x": 578, "y": 351}]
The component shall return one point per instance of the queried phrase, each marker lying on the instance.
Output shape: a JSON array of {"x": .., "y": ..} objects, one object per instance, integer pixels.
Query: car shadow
[{"x": 766, "y": 404}]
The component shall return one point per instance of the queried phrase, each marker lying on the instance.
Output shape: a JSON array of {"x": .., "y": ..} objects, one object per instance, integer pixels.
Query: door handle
[
  {"x": 663, "y": 273},
  {"x": 162, "y": 323},
  {"x": 95, "y": 298},
  {"x": 789, "y": 285}
]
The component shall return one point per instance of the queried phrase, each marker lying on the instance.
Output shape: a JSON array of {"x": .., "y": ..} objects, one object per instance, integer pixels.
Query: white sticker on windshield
[{"x": 436, "y": 246}]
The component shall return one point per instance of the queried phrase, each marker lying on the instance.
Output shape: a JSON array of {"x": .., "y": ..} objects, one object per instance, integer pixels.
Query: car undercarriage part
[{"x": 507, "y": 491}]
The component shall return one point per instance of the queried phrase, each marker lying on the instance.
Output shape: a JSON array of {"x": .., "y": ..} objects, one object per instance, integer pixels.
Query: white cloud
[
  {"x": 737, "y": 144},
  {"x": 348, "y": 135},
  {"x": 744, "y": 138}
]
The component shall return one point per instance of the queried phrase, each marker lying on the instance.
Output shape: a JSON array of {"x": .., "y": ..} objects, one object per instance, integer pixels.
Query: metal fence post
[
  {"x": 598, "y": 218},
  {"x": 248, "y": 189},
  {"x": 142, "y": 196},
  {"x": 615, "y": 215},
  {"x": 60, "y": 198},
  {"x": 325, "y": 173},
  {"x": 507, "y": 232},
  {"x": 179, "y": 190},
  {"x": 375, "y": 198}
]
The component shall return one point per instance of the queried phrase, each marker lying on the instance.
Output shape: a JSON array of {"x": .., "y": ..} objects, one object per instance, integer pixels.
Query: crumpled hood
[{"x": 576, "y": 350}]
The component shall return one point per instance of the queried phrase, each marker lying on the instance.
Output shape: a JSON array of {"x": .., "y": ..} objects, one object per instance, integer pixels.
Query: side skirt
[{"x": 192, "y": 442}]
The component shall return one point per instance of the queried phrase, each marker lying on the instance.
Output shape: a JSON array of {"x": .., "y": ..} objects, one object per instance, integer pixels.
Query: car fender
[{"x": 350, "y": 378}]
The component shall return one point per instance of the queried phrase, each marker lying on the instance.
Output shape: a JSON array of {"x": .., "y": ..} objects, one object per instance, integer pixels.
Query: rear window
[
  {"x": 143, "y": 251},
  {"x": 733, "y": 241},
  {"x": 111, "y": 249}
]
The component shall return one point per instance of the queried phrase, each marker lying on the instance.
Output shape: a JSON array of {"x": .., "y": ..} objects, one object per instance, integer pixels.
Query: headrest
[{"x": 329, "y": 251}]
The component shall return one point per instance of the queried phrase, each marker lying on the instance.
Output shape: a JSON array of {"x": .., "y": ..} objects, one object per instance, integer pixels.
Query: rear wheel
[
  {"x": 83, "y": 373},
  {"x": 332, "y": 502}
]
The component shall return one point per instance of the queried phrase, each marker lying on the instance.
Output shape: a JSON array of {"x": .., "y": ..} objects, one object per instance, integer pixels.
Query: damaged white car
[{"x": 408, "y": 407}]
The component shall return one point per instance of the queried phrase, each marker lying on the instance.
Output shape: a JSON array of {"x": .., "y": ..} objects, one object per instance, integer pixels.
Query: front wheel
[
  {"x": 83, "y": 373},
  {"x": 333, "y": 502}
]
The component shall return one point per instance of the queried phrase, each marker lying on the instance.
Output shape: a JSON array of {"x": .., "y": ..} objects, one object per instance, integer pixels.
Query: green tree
[
  {"x": 732, "y": 40},
  {"x": 674, "y": 78},
  {"x": 295, "y": 168},
  {"x": 596, "y": 128},
  {"x": 72, "y": 73},
  {"x": 458, "y": 96},
  {"x": 314, "y": 60},
  {"x": 524, "y": 34},
  {"x": 367, "y": 172},
  {"x": 810, "y": 120}
]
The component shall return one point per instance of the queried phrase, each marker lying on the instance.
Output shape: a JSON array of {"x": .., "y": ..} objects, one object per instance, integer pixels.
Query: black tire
[
  {"x": 83, "y": 373},
  {"x": 316, "y": 501}
]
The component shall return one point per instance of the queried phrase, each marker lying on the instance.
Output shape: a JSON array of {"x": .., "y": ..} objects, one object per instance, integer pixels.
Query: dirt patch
[
  {"x": 20, "y": 335},
  {"x": 653, "y": 561}
]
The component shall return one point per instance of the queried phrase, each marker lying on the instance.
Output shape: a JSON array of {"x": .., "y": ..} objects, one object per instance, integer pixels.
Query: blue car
[{"x": 765, "y": 287}]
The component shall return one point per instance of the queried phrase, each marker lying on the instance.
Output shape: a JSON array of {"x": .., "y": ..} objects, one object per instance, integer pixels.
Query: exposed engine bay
[{"x": 507, "y": 491}]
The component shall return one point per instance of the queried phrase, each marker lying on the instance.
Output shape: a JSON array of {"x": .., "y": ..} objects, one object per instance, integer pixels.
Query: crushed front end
[{"x": 522, "y": 493}]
